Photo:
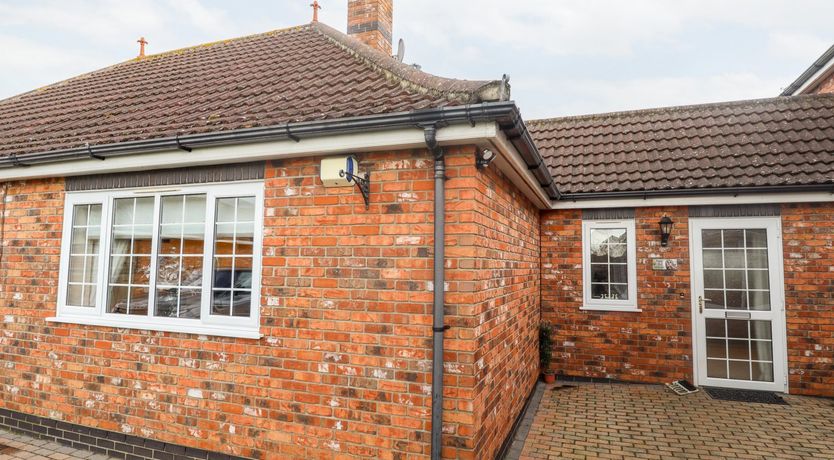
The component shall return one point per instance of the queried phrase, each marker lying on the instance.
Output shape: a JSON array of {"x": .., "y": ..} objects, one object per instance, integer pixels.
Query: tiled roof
[
  {"x": 306, "y": 73},
  {"x": 766, "y": 142}
]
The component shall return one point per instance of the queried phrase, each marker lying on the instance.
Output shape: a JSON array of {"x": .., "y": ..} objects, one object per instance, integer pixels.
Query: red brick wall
[
  {"x": 344, "y": 365},
  {"x": 649, "y": 346},
  {"x": 825, "y": 86},
  {"x": 655, "y": 345},
  {"x": 808, "y": 243},
  {"x": 502, "y": 289}
]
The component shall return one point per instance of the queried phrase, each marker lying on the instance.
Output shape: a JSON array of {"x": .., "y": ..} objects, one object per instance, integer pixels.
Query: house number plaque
[{"x": 664, "y": 264}]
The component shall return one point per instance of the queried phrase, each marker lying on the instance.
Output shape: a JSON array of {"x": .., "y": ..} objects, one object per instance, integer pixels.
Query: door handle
[{"x": 701, "y": 300}]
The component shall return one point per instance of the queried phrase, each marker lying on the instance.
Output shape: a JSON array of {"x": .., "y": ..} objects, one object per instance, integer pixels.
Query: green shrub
[{"x": 545, "y": 345}]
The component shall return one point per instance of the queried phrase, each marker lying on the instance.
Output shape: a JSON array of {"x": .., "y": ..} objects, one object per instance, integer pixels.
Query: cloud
[{"x": 560, "y": 97}]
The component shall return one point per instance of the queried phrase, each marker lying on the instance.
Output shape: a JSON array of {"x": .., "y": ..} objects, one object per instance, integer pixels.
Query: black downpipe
[{"x": 430, "y": 132}]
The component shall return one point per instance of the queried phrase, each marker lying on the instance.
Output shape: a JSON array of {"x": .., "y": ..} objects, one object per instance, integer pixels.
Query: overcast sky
[{"x": 563, "y": 57}]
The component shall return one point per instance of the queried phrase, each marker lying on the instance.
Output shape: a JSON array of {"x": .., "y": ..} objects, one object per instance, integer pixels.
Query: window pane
[
  {"x": 758, "y": 279},
  {"x": 713, "y": 258},
  {"x": 734, "y": 258},
  {"x": 618, "y": 253},
  {"x": 735, "y": 279},
  {"x": 711, "y": 238},
  {"x": 713, "y": 279},
  {"x": 82, "y": 271},
  {"x": 756, "y": 238},
  {"x": 130, "y": 249},
  {"x": 714, "y": 299},
  {"x": 763, "y": 372},
  {"x": 599, "y": 273},
  {"x": 733, "y": 238},
  {"x": 740, "y": 370},
  {"x": 179, "y": 273},
  {"x": 716, "y": 348},
  {"x": 757, "y": 258},
  {"x": 242, "y": 303},
  {"x": 599, "y": 291},
  {"x": 717, "y": 368},
  {"x": 234, "y": 235},
  {"x": 619, "y": 292},
  {"x": 715, "y": 328},
  {"x": 619, "y": 273}
]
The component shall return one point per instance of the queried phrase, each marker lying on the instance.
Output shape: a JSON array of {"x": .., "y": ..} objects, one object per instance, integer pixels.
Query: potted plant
[{"x": 546, "y": 351}]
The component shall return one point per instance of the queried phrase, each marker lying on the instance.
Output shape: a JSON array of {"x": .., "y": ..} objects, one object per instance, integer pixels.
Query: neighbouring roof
[
  {"x": 821, "y": 62},
  {"x": 306, "y": 73},
  {"x": 765, "y": 142}
]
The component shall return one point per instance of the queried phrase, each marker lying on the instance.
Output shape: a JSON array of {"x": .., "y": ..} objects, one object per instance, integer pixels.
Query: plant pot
[{"x": 549, "y": 377}]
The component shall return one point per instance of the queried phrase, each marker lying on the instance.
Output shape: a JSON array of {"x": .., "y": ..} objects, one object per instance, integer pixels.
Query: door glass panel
[
  {"x": 740, "y": 370},
  {"x": 762, "y": 372},
  {"x": 736, "y": 276},
  {"x": 717, "y": 368},
  {"x": 735, "y": 264},
  {"x": 739, "y": 349}
]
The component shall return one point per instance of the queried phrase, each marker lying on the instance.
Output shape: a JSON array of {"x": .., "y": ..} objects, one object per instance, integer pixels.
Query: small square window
[{"x": 609, "y": 265}]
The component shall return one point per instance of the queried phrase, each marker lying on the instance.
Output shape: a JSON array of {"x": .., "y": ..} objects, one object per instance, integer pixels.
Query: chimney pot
[{"x": 371, "y": 22}]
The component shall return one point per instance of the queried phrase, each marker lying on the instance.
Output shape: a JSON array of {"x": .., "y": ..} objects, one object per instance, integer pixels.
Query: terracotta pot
[{"x": 549, "y": 378}]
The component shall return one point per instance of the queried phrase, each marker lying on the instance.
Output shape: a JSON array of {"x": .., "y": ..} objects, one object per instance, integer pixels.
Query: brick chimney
[{"x": 371, "y": 22}]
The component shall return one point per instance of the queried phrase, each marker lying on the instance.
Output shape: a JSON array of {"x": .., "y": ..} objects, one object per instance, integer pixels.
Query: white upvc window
[
  {"x": 609, "y": 265},
  {"x": 179, "y": 259}
]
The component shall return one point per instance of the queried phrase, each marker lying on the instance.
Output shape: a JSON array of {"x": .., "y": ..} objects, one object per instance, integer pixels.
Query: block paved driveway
[
  {"x": 18, "y": 447},
  {"x": 616, "y": 421}
]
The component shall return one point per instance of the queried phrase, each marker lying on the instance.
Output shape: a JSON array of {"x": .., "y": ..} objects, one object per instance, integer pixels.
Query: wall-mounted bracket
[
  {"x": 364, "y": 184},
  {"x": 93, "y": 155},
  {"x": 182, "y": 147},
  {"x": 16, "y": 161}
]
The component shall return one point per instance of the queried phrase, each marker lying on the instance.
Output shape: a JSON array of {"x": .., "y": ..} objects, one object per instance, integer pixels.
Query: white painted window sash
[
  {"x": 230, "y": 326},
  {"x": 589, "y": 303}
]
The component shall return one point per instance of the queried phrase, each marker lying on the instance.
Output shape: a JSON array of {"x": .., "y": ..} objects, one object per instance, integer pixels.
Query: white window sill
[
  {"x": 621, "y": 309},
  {"x": 217, "y": 331}
]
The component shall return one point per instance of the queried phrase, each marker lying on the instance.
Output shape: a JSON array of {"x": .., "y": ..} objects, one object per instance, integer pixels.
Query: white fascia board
[
  {"x": 816, "y": 79},
  {"x": 515, "y": 168},
  {"x": 238, "y": 153},
  {"x": 698, "y": 200}
]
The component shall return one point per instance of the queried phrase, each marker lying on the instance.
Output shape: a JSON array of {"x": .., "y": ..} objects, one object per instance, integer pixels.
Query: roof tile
[{"x": 765, "y": 142}]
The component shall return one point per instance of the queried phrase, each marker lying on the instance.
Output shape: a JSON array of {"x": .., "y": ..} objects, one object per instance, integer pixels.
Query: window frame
[
  {"x": 589, "y": 303},
  {"x": 207, "y": 324}
]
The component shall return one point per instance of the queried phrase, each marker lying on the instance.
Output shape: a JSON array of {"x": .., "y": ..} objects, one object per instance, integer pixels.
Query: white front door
[{"x": 738, "y": 303}]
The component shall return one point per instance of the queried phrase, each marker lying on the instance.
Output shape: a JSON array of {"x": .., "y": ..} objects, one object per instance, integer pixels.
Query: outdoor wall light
[
  {"x": 665, "y": 230},
  {"x": 484, "y": 157}
]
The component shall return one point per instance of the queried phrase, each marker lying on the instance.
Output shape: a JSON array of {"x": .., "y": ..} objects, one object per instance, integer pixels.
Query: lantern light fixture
[{"x": 665, "y": 230}]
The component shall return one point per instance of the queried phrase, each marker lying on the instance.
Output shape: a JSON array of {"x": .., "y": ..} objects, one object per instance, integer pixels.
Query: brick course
[{"x": 372, "y": 22}]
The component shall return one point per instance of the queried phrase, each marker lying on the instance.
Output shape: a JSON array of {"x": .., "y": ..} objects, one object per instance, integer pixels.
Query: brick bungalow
[{"x": 177, "y": 280}]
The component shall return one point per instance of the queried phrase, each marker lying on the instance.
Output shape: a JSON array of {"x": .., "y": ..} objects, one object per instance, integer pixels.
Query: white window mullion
[
  {"x": 154, "y": 256},
  {"x": 208, "y": 258},
  {"x": 104, "y": 257}
]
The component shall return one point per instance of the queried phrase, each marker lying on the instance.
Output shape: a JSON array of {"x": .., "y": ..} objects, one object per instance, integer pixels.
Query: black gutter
[
  {"x": 645, "y": 194},
  {"x": 809, "y": 72},
  {"x": 506, "y": 114}
]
